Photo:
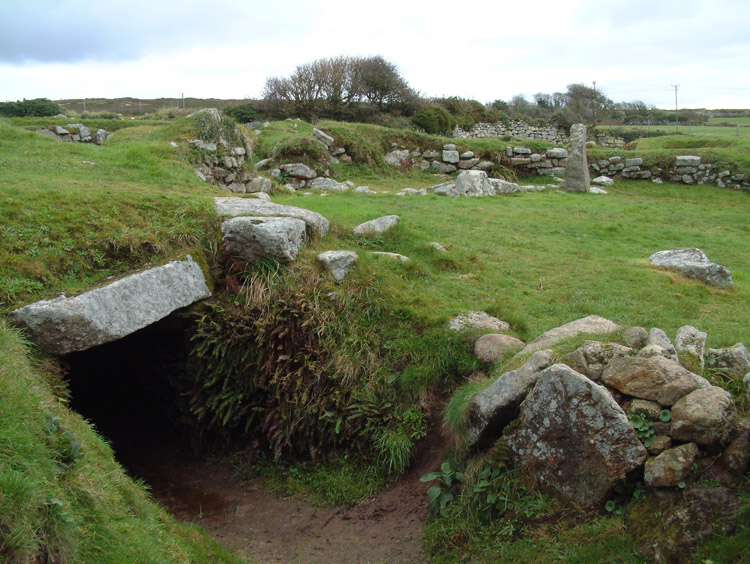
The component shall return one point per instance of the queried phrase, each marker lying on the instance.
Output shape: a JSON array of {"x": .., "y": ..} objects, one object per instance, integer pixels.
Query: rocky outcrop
[
  {"x": 233, "y": 207},
  {"x": 574, "y": 438},
  {"x": 577, "y": 177},
  {"x": 693, "y": 263},
  {"x": 64, "y": 325},
  {"x": 252, "y": 238}
]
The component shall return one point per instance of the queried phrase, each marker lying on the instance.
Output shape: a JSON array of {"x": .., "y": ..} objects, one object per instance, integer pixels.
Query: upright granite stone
[
  {"x": 65, "y": 325},
  {"x": 338, "y": 263},
  {"x": 574, "y": 438},
  {"x": 577, "y": 177}
]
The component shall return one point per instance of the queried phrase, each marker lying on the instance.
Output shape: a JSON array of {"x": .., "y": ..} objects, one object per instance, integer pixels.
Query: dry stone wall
[{"x": 515, "y": 128}]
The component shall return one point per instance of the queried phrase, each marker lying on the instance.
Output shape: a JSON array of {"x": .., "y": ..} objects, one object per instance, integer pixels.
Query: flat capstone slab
[{"x": 102, "y": 315}]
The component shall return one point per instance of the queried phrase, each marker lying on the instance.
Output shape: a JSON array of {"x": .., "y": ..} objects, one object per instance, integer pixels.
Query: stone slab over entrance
[{"x": 64, "y": 325}]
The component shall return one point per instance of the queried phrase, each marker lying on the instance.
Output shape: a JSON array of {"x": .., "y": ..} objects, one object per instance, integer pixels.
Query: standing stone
[
  {"x": 574, "y": 438},
  {"x": 577, "y": 177}
]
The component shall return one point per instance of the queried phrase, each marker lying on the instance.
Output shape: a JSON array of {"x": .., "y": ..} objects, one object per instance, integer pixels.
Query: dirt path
[{"x": 264, "y": 527}]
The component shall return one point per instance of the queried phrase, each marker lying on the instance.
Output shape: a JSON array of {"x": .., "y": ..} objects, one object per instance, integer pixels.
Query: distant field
[
  {"x": 745, "y": 120},
  {"x": 721, "y": 131}
]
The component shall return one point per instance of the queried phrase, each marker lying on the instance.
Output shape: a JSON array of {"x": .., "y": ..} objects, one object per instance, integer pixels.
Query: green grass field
[
  {"x": 76, "y": 214},
  {"x": 717, "y": 130}
]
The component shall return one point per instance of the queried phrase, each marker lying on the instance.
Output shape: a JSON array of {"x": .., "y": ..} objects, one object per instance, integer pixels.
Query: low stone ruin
[{"x": 76, "y": 133}]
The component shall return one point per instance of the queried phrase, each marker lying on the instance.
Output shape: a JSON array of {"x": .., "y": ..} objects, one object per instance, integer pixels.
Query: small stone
[
  {"x": 734, "y": 361},
  {"x": 477, "y": 320},
  {"x": 437, "y": 246},
  {"x": 488, "y": 348},
  {"x": 338, "y": 263},
  {"x": 376, "y": 226},
  {"x": 647, "y": 408},
  {"x": 671, "y": 467},
  {"x": 658, "y": 337},
  {"x": 690, "y": 345},
  {"x": 395, "y": 256},
  {"x": 636, "y": 337}
]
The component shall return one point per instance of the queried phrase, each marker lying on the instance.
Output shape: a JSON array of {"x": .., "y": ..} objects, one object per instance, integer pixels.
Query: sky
[{"x": 484, "y": 50}]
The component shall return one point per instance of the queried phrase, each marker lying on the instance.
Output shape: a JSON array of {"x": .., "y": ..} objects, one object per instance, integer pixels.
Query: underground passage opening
[{"x": 133, "y": 392}]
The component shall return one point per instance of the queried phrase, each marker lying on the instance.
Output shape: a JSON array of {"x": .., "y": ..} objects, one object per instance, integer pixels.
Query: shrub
[
  {"x": 38, "y": 107},
  {"x": 434, "y": 119},
  {"x": 242, "y": 113}
]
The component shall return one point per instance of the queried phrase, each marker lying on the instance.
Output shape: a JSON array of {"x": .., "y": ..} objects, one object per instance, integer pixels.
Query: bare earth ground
[{"x": 264, "y": 527}]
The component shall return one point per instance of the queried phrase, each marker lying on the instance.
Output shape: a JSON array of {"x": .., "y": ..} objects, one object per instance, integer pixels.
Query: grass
[
  {"x": 517, "y": 258},
  {"x": 715, "y": 130},
  {"x": 63, "y": 498},
  {"x": 74, "y": 214}
]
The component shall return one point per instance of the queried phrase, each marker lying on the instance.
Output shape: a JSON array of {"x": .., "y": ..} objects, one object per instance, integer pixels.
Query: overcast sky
[{"x": 486, "y": 50}]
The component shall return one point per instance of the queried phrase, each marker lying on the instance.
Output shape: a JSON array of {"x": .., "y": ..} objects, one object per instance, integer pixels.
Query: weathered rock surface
[
  {"x": 592, "y": 356},
  {"x": 328, "y": 184},
  {"x": 734, "y": 361},
  {"x": 577, "y": 177},
  {"x": 299, "y": 170},
  {"x": 398, "y": 158},
  {"x": 501, "y": 186},
  {"x": 690, "y": 345},
  {"x": 316, "y": 223},
  {"x": 593, "y": 324},
  {"x": 704, "y": 416},
  {"x": 603, "y": 181},
  {"x": 477, "y": 320},
  {"x": 488, "y": 348},
  {"x": 474, "y": 183},
  {"x": 574, "y": 438},
  {"x": 251, "y": 238},
  {"x": 324, "y": 138},
  {"x": 636, "y": 337},
  {"x": 497, "y": 405},
  {"x": 656, "y": 378},
  {"x": 65, "y": 325},
  {"x": 693, "y": 263},
  {"x": 658, "y": 337},
  {"x": 376, "y": 226},
  {"x": 338, "y": 263},
  {"x": 671, "y": 467},
  {"x": 669, "y": 524},
  {"x": 395, "y": 256}
]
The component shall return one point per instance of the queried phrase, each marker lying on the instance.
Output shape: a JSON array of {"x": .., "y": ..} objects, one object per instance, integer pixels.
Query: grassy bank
[{"x": 63, "y": 498}]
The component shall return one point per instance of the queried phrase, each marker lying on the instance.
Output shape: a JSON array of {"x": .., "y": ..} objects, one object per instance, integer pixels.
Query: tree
[{"x": 587, "y": 104}]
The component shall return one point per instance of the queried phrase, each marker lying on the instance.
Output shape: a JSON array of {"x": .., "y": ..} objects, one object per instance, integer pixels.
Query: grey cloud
[{"x": 74, "y": 30}]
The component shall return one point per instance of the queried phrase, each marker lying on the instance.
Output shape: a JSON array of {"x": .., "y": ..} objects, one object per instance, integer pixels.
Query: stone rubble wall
[
  {"x": 685, "y": 169},
  {"x": 609, "y": 141},
  {"x": 515, "y": 128},
  {"x": 76, "y": 133}
]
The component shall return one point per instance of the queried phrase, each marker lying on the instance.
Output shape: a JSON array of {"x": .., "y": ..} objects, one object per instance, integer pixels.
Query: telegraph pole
[{"x": 676, "y": 115}]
